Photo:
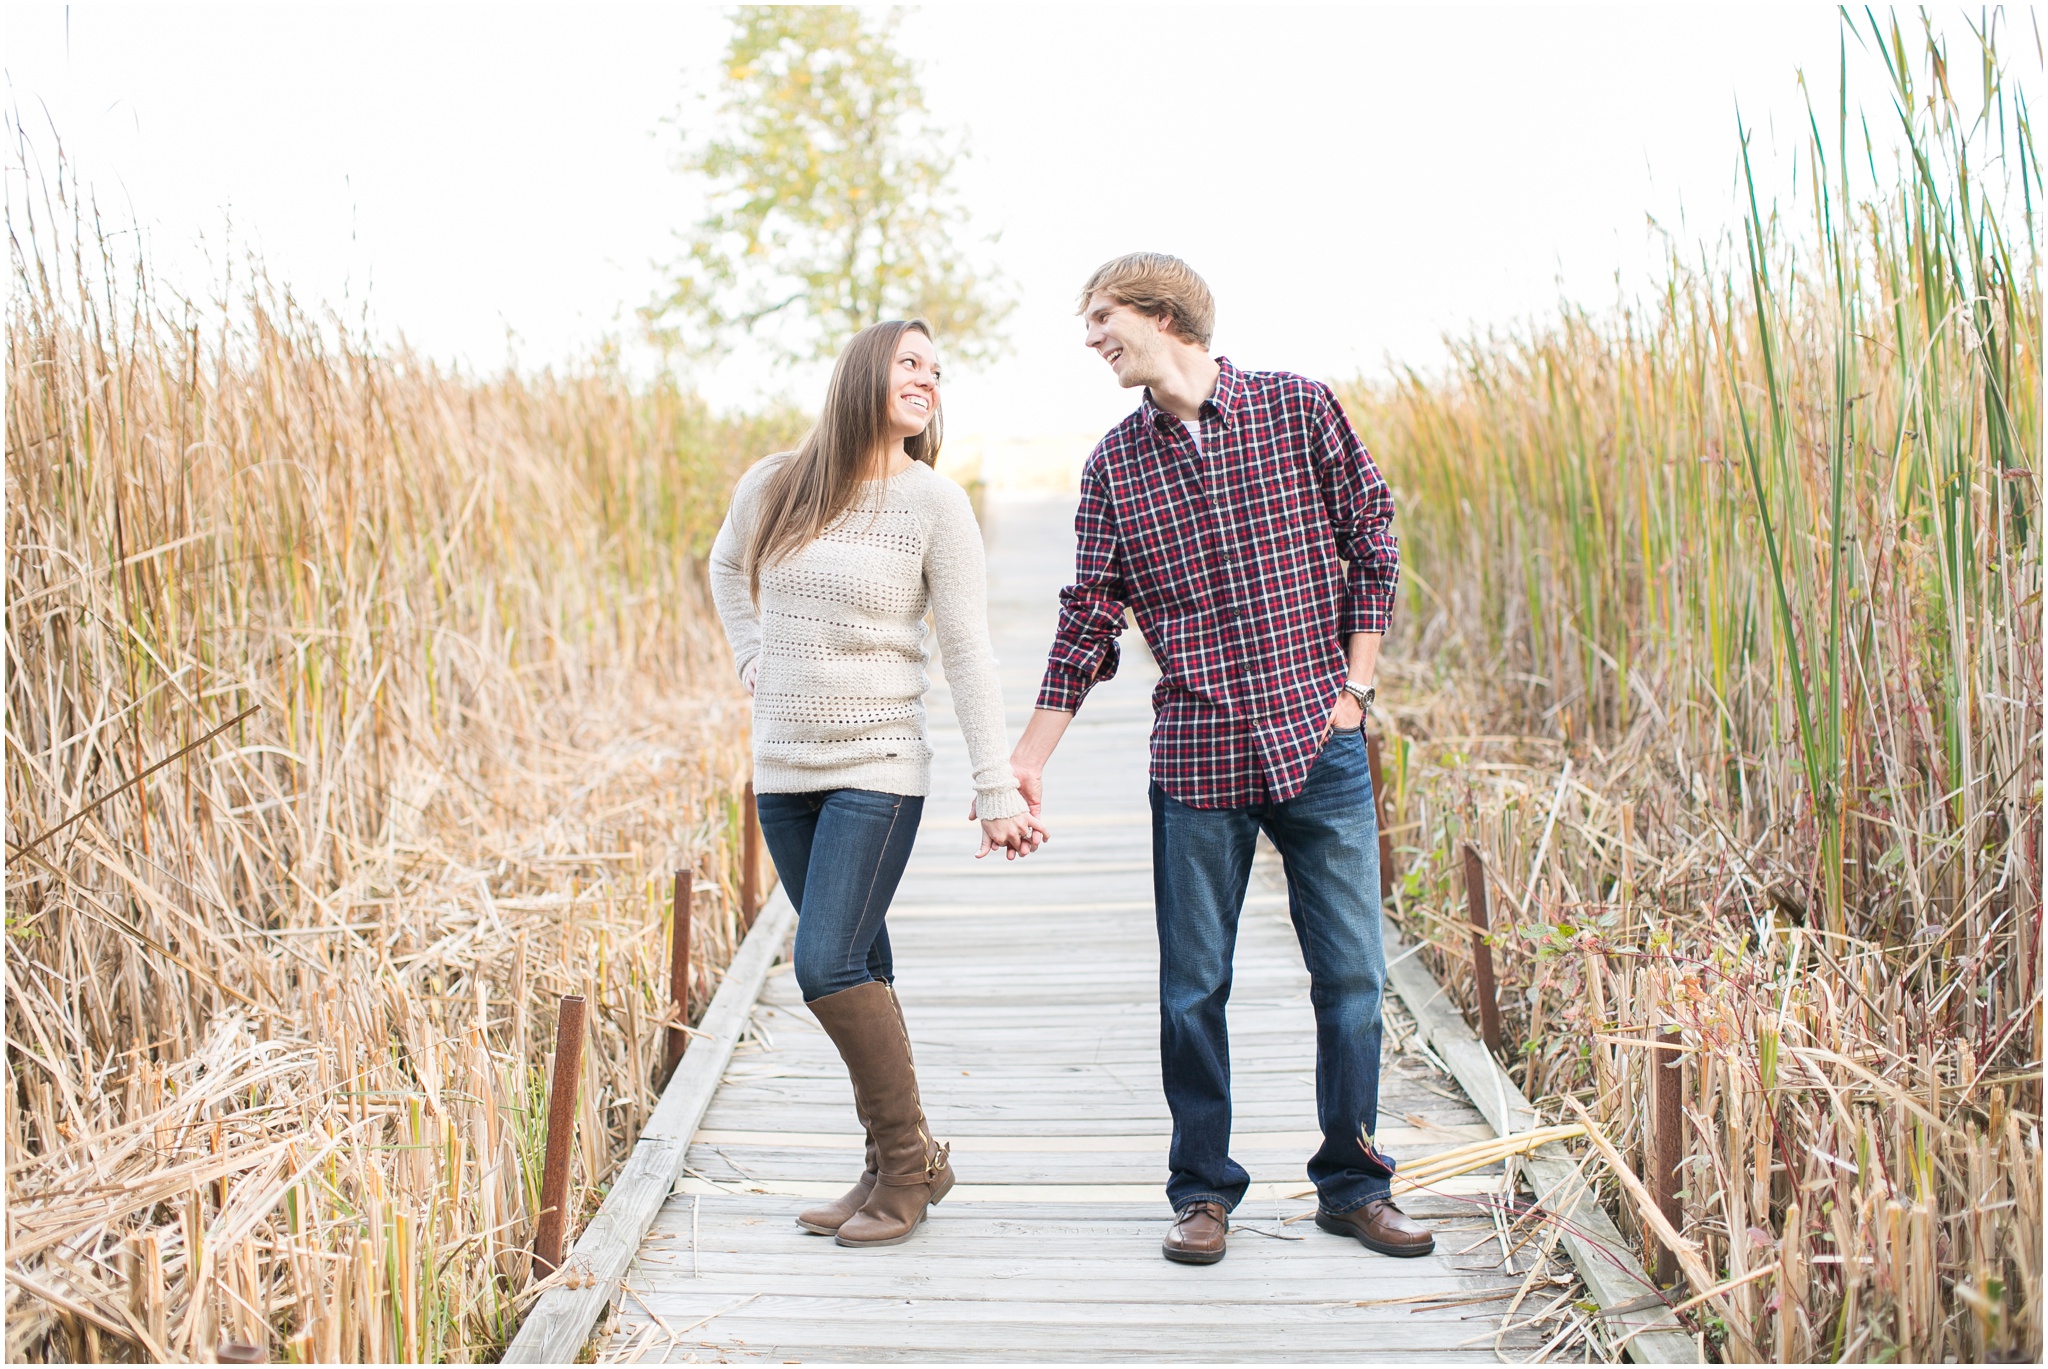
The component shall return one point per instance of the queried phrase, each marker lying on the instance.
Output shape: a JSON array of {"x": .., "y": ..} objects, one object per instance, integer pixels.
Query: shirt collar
[{"x": 1224, "y": 403}]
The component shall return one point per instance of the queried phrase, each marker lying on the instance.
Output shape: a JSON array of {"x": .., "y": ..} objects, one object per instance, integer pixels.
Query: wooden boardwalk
[{"x": 1031, "y": 994}]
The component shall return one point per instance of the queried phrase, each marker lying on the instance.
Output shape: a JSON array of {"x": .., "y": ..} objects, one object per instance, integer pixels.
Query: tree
[{"x": 828, "y": 199}]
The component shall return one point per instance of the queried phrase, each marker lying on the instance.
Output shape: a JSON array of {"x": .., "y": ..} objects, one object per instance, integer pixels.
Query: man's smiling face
[{"x": 1131, "y": 342}]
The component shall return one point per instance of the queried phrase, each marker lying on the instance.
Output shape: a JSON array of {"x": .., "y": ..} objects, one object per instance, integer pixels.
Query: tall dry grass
[
  {"x": 1725, "y": 640},
  {"x": 433, "y": 659}
]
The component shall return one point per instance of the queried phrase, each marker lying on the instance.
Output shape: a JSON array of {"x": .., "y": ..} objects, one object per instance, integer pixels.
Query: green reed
[{"x": 1763, "y": 550}]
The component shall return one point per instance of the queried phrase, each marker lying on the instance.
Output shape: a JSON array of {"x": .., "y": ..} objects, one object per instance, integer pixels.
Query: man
[{"x": 1223, "y": 513}]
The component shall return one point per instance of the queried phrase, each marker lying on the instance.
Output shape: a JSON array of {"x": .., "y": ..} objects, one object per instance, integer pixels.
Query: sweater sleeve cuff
[{"x": 1003, "y": 802}]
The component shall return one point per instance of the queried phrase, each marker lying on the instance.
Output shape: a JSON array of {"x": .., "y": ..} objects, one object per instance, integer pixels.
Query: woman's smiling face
[{"x": 913, "y": 385}]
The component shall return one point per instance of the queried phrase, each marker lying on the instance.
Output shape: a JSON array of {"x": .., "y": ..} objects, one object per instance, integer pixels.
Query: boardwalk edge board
[
  {"x": 555, "y": 1331},
  {"x": 1595, "y": 1244}
]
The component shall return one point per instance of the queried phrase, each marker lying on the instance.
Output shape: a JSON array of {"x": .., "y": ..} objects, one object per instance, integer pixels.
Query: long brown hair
[{"x": 819, "y": 480}]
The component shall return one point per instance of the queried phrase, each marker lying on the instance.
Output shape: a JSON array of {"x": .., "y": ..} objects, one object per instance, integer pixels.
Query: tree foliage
[{"x": 828, "y": 198}]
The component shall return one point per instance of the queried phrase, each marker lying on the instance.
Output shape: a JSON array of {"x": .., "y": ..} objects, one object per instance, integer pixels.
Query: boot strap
[{"x": 929, "y": 1173}]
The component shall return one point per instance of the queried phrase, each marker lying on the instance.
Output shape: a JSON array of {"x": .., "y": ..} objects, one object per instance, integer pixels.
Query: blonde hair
[
  {"x": 1159, "y": 286},
  {"x": 819, "y": 480}
]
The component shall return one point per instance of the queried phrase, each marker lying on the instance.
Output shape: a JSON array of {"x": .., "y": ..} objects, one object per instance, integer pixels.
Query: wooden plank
[
  {"x": 769, "y": 1116},
  {"x": 1016, "y": 1297},
  {"x": 1219, "y": 1325},
  {"x": 766, "y": 1220},
  {"x": 560, "y": 1321},
  {"x": 800, "y": 1171},
  {"x": 1102, "y": 1102},
  {"x": 1256, "y": 1140},
  {"x": 965, "y": 1088},
  {"x": 1048, "y": 1193},
  {"x": 1140, "y": 1273},
  {"x": 1604, "y": 1261},
  {"x": 1070, "y": 1330},
  {"x": 939, "y": 1029},
  {"x": 767, "y": 1351}
]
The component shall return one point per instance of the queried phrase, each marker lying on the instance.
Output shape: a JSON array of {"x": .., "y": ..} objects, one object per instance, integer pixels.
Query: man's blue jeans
[
  {"x": 1328, "y": 839},
  {"x": 841, "y": 854}
]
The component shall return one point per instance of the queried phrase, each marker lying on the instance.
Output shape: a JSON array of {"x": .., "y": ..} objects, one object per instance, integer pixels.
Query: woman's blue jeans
[
  {"x": 840, "y": 854},
  {"x": 1328, "y": 839}
]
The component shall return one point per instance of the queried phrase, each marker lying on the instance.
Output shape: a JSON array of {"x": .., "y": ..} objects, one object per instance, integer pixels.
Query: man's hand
[
  {"x": 1034, "y": 749},
  {"x": 1362, "y": 654},
  {"x": 1031, "y": 785},
  {"x": 1347, "y": 714}
]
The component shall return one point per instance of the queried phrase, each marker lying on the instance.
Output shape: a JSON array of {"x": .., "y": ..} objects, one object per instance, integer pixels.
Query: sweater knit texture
[{"x": 840, "y": 641}]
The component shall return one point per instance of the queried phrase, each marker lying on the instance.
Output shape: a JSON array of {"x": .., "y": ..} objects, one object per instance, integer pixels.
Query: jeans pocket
[{"x": 1336, "y": 734}]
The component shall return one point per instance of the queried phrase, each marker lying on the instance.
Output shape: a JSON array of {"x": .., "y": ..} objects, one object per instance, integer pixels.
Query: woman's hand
[
  {"x": 747, "y": 676},
  {"x": 1018, "y": 836}
]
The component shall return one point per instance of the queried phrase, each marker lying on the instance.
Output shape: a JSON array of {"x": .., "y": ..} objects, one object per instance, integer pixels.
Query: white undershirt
[{"x": 1194, "y": 427}]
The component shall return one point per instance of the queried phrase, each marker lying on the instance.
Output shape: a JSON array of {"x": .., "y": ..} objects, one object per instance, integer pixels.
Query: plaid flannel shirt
[{"x": 1248, "y": 563}]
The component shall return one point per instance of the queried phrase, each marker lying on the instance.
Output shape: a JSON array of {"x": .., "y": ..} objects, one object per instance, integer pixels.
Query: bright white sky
[{"x": 1353, "y": 182}]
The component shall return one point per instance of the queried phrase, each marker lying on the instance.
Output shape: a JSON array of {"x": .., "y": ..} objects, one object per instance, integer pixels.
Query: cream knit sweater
[{"x": 839, "y": 637}]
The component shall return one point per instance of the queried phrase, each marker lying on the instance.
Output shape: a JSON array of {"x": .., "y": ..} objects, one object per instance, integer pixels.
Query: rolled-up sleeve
[
  {"x": 1084, "y": 650},
  {"x": 1361, "y": 510}
]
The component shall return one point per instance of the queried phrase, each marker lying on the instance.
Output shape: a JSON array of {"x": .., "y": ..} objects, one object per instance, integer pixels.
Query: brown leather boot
[
  {"x": 1381, "y": 1226},
  {"x": 912, "y": 1171},
  {"x": 827, "y": 1220}
]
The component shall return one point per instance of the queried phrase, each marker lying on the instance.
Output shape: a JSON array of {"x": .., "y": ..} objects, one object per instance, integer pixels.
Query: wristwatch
[{"x": 1363, "y": 693}]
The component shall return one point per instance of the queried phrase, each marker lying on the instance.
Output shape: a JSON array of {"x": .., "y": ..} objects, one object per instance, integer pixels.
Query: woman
[{"x": 823, "y": 573}]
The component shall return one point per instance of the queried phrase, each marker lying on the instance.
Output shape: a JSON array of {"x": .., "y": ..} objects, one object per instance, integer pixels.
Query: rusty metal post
[
  {"x": 1482, "y": 954},
  {"x": 678, "y": 974},
  {"x": 1667, "y": 1142},
  {"x": 750, "y": 858},
  {"x": 1379, "y": 813},
  {"x": 554, "y": 1169}
]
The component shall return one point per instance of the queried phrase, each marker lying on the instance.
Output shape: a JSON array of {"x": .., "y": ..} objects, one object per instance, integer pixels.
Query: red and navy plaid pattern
[{"x": 1248, "y": 564}]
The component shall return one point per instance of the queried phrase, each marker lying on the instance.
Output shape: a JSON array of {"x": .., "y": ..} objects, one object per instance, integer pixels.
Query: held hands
[
  {"x": 1025, "y": 833},
  {"x": 1018, "y": 836}
]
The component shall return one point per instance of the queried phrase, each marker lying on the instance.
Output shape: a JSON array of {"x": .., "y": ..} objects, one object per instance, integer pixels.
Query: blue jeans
[
  {"x": 840, "y": 854},
  {"x": 1328, "y": 839}
]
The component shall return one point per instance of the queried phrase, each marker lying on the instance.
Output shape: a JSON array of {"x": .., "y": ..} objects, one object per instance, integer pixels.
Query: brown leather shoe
[
  {"x": 1381, "y": 1226},
  {"x": 1196, "y": 1236}
]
